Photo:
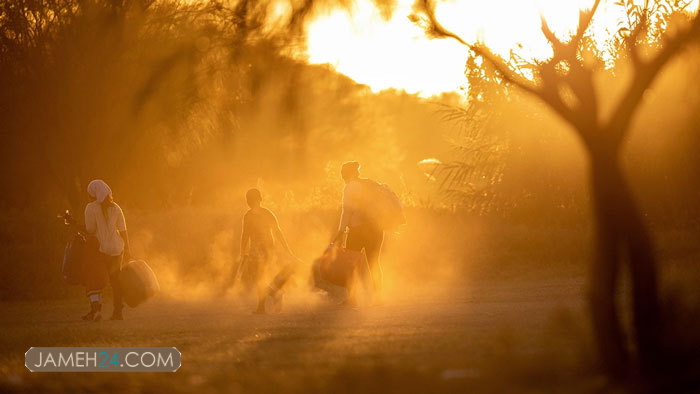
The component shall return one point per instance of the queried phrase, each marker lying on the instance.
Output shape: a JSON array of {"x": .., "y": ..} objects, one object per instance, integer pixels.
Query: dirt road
[{"x": 524, "y": 337}]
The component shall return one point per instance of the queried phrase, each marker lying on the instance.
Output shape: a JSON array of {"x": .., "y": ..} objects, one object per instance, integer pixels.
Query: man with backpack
[{"x": 369, "y": 208}]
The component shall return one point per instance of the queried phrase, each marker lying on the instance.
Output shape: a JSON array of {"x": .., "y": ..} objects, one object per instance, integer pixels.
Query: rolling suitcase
[{"x": 138, "y": 282}]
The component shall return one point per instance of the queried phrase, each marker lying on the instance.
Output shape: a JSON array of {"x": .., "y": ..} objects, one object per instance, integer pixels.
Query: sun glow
[
  {"x": 385, "y": 54},
  {"x": 395, "y": 53}
]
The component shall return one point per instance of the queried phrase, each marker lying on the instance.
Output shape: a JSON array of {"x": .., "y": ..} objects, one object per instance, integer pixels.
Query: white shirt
[
  {"x": 353, "y": 201},
  {"x": 107, "y": 231}
]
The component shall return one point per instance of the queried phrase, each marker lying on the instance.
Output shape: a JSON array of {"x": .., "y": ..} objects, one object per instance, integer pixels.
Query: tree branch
[
  {"x": 633, "y": 38},
  {"x": 577, "y": 78},
  {"x": 584, "y": 21},
  {"x": 644, "y": 74},
  {"x": 436, "y": 29},
  {"x": 549, "y": 35}
]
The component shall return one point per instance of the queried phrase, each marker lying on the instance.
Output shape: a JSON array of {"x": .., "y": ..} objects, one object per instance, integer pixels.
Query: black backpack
[{"x": 383, "y": 206}]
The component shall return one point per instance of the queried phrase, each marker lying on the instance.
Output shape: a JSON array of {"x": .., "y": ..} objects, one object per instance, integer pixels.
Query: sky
[{"x": 396, "y": 54}]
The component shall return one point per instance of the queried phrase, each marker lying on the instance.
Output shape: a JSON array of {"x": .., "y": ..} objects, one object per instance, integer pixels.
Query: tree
[
  {"x": 123, "y": 89},
  {"x": 97, "y": 89},
  {"x": 565, "y": 82},
  {"x": 470, "y": 173}
]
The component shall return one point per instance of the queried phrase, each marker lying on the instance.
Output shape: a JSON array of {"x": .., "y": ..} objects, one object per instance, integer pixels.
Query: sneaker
[
  {"x": 94, "y": 314},
  {"x": 98, "y": 311}
]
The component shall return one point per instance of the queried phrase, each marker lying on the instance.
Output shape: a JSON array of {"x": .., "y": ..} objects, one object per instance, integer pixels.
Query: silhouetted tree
[
  {"x": 565, "y": 82},
  {"x": 103, "y": 88},
  {"x": 98, "y": 89}
]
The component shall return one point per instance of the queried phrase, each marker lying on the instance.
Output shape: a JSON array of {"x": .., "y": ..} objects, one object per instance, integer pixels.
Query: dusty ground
[
  {"x": 524, "y": 337},
  {"x": 520, "y": 325}
]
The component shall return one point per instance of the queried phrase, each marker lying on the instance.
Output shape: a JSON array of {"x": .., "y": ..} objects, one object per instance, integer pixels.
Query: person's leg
[
  {"x": 95, "y": 312},
  {"x": 94, "y": 278},
  {"x": 280, "y": 279},
  {"x": 356, "y": 241},
  {"x": 114, "y": 268},
  {"x": 275, "y": 288},
  {"x": 262, "y": 294},
  {"x": 373, "y": 248},
  {"x": 261, "y": 262}
]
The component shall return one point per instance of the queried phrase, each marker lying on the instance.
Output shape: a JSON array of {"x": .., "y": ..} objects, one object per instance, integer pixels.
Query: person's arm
[
  {"x": 245, "y": 236},
  {"x": 121, "y": 228},
  {"x": 279, "y": 236},
  {"x": 127, "y": 247},
  {"x": 338, "y": 235},
  {"x": 347, "y": 212},
  {"x": 90, "y": 224}
]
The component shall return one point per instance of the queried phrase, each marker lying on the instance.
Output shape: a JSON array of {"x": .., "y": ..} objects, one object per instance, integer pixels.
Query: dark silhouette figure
[
  {"x": 260, "y": 230},
  {"x": 104, "y": 220},
  {"x": 620, "y": 229},
  {"x": 363, "y": 232}
]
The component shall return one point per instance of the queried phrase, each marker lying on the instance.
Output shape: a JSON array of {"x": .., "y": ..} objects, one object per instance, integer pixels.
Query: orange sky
[{"x": 396, "y": 54}]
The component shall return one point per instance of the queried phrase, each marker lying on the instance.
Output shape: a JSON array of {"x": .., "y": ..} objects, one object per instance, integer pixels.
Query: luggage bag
[
  {"x": 138, "y": 282},
  {"x": 340, "y": 266}
]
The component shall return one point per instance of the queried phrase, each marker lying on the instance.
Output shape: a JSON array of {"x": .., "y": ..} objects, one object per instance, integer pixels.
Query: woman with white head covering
[{"x": 105, "y": 220}]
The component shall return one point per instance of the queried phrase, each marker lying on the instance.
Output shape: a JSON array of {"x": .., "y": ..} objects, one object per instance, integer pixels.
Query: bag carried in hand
[
  {"x": 339, "y": 266},
  {"x": 138, "y": 282},
  {"x": 384, "y": 207}
]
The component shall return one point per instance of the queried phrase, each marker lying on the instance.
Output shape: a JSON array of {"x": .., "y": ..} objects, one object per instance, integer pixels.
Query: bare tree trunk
[
  {"x": 647, "y": 320},
  {"x": 621, "y": 232},
  {"x": 606, "y": 267}
]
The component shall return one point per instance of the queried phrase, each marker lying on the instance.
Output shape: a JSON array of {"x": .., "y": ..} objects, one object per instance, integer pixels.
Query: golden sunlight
[
  {"x": 395, "y": 53},
  {"x": 311, "y": 196}
]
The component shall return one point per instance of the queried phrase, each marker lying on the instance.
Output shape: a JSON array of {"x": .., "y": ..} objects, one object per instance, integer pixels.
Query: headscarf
[{"x": 99, "y": 189}]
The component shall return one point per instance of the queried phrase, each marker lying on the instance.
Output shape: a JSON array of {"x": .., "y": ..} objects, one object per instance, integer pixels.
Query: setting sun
[{"x": 395, "y": 53}]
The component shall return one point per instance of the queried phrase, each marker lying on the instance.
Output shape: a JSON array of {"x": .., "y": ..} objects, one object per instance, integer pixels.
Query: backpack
[{"x": 384, "y": 207}]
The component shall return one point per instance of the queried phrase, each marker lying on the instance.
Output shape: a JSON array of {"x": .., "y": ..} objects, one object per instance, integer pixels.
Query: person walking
[
  {"x": 260, "y": 231},
  {"x": 104, "y": 219},
  {"x": 369, "y": 208}
]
